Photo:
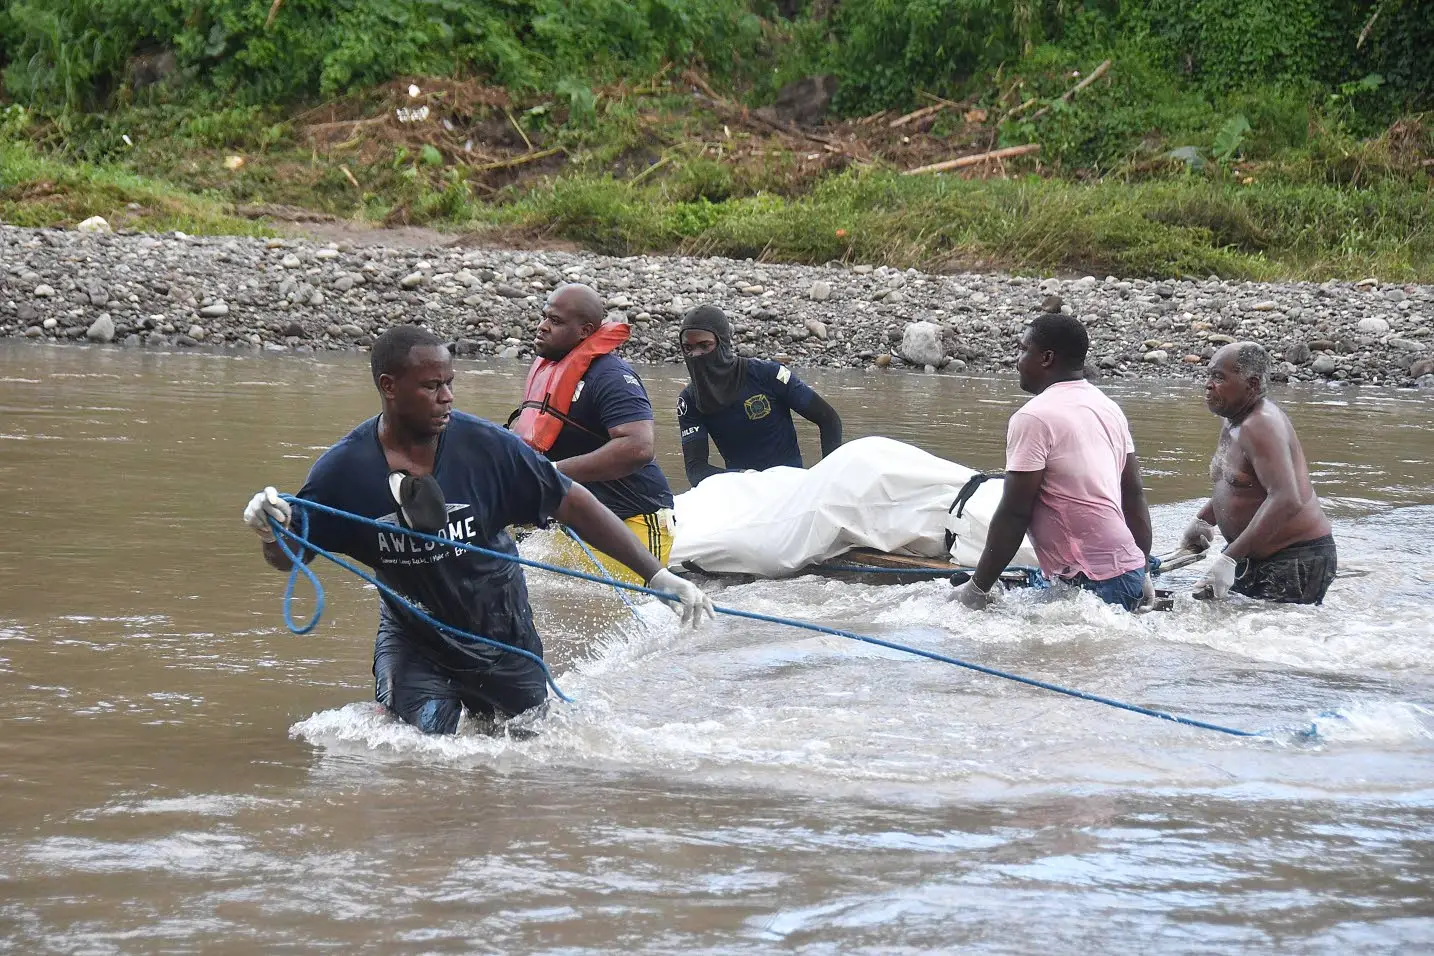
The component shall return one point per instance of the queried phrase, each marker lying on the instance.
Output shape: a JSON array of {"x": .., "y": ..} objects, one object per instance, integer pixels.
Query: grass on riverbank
[
  {"x": 1182, "y": 227},
  {"x": 652, "y": 174},
  {"x": 38, "y": 190}
]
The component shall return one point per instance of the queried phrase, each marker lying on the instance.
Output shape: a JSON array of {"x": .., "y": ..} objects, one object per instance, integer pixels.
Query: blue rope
[
  {"x": 991, "y": 671},
  {"x": 300, "y": 518},
  {"x": 670, "y": 598}
]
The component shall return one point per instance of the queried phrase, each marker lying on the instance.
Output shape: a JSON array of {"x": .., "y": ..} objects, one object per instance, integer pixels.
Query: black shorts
[
  {"x": 1299, "y": 574},
  {"x": 431, "y": 693}
]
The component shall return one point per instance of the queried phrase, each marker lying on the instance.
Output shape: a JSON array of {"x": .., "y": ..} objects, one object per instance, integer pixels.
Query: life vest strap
[{"x": 544, "y": 408}]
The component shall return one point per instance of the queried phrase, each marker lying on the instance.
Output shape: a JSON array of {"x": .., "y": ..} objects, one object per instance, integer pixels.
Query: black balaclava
[{"x": 718, "y": 376}]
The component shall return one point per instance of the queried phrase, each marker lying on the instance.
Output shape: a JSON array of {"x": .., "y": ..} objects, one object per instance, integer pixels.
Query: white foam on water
[
  {"x": 1375, "y": 722},
  {"x": 9, "y": 632},
  {"x": 738, "y": 744},
  {"x": 749, "y": 702},
  {"x": 1297, "y": 637},
  {"x": 180, "y": 852},
  {"x": 367, "y": 727},
  {"x": 771, "y": 725},
  {"x": 208, "y": 805}
]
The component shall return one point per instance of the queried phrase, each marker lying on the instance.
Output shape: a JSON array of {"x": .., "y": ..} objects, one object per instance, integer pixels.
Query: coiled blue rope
[
  {"x": 446, "y": 631},
  {"x": 299, "y": 538}
]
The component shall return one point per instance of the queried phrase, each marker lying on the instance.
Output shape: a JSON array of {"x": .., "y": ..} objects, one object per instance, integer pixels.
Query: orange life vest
[{"x": 552, "y": 386}]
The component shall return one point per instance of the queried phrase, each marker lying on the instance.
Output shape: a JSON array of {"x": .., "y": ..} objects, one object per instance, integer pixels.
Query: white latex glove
[
  {"x": 1198, "y": 536},
  {"x": 694, "y": 603},
  {"x": 261, "y": 507},
  {"x": 1147, "y": 591},
  {"x": 1221, "y": 576},
  {"x": 973, "y": 597}
]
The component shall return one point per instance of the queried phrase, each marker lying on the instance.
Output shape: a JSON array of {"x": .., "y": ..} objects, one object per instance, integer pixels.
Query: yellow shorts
[{"x": 655, "y": 533}]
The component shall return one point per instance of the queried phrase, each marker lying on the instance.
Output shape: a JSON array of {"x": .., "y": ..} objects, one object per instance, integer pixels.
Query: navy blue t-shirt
[
  {"x": 610, "y": 394},
  {"x": 490, "y": 480},
  {"x": 756, "y": 431}
]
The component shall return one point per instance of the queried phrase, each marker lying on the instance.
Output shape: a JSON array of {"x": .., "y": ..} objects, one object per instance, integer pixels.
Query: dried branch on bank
[
  {"x": 963, "y": 162},
  {"x": 916, "y": 115},
  {"x": 519, "y": 160},
  {"x": 1069, "y": 94}
]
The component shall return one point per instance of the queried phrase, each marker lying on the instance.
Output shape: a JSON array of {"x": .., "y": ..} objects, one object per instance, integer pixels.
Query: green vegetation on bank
[
  {"x": 83, "y": 54},
  {"x": 1181, "y": 227},
  {"x": 1285, "y": 138},
  {"x": 39, "y": 190}
]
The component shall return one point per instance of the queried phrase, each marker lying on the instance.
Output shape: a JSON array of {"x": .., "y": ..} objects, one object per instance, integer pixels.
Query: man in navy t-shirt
[
  {"x": 608, "y": 439},
  {"x": 477, "y": 479},
  {"x": 745, "y": 405}
]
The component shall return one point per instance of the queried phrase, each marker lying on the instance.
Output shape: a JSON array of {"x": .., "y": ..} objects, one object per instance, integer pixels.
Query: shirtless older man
[{"x": 1280, "y": 546}]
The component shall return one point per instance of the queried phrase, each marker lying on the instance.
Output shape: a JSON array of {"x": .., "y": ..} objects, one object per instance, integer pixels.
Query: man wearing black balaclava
[{"x": 744, "y": 404}]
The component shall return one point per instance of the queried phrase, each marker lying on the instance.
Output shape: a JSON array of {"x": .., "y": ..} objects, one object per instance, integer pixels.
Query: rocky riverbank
[{"x": 230, "y": 293}]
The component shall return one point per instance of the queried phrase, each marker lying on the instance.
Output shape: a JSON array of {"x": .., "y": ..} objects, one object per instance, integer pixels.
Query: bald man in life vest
[{"x": 588, "y": 412}]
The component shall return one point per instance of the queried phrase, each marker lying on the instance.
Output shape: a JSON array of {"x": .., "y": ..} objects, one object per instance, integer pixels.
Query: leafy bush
[
  {"x": 73, "y": 53},
  {"x": 890, "y": 48},
  {"x": 1235, "y": 44},
  {"x": 1172, "y": 54}
]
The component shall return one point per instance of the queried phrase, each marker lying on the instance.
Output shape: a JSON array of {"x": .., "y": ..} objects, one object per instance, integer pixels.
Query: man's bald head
[
  {"x": 579, "y": 301},
  {"x": 574, "y": 311}
]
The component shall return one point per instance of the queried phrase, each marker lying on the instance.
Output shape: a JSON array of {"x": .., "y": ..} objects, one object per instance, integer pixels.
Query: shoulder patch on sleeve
[{"x": 784, "y": 374}]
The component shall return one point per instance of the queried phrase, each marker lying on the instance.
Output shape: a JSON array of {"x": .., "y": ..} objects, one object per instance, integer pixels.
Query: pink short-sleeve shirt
[{"x": 1081, "y": 439}]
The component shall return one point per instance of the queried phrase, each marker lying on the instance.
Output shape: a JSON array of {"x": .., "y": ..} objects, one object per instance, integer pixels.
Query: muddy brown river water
[{"x": 179, "y": 774}]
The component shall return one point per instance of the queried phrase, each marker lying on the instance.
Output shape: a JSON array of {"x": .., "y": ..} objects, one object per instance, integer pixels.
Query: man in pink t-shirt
[{"x": 1072, "y": 479}]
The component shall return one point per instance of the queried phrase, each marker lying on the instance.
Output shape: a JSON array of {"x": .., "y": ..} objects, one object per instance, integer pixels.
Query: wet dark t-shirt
[
  {"x": 756, "y": 431},
  {"x": 490, "y": 480},
  {"x": 611, "y": 394}
]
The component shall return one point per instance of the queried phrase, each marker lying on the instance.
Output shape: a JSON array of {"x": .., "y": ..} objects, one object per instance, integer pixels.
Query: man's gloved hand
[
  {"x": 1147, "y": 591},
  {"x": 694, "y": 603},
  {"x": 1220, "y": 578},
  {"x": 261, "y": 507},
  {"x": 1198, "y": 536},
  {"x": 973, "y": 597}
]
